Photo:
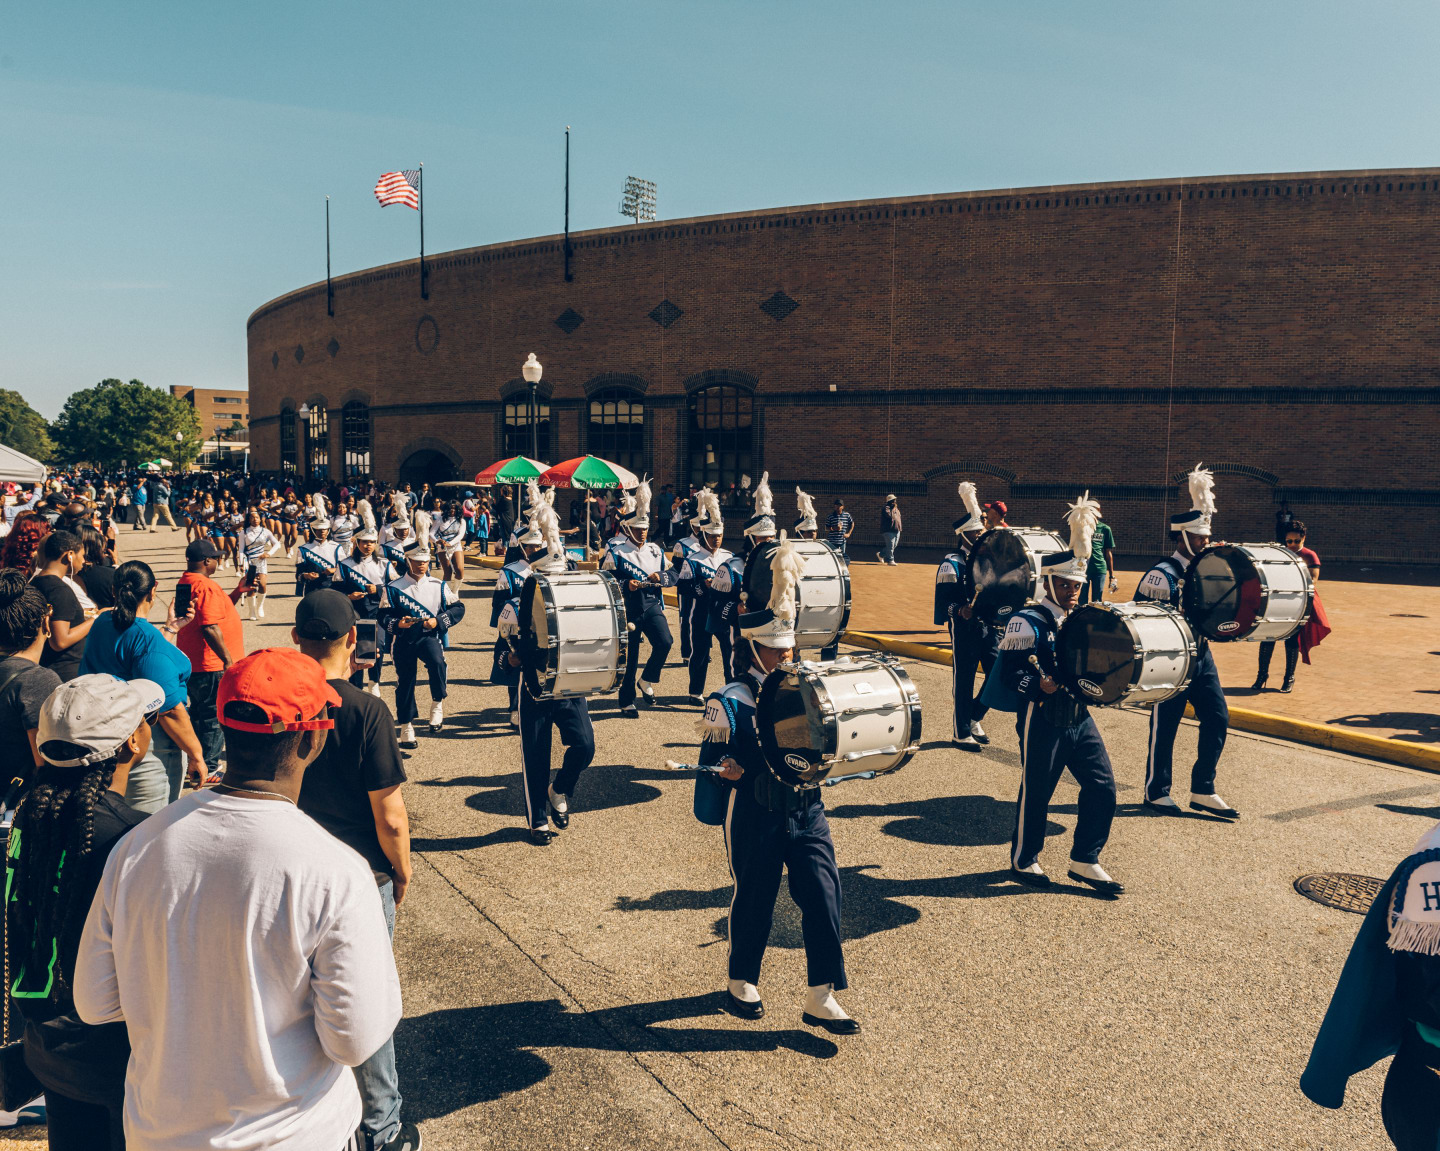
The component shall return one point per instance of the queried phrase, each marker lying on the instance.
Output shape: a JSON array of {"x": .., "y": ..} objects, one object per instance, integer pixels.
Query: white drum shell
[
  {"x": 1038, "y": 542},
  {"x": 824, "y": 602},
  {"x": 873, "y": 709},
  {"x": 1167, "y": 651},
  {"x": 1286, "y": 580},
  {"x": 587, "y": 649}
]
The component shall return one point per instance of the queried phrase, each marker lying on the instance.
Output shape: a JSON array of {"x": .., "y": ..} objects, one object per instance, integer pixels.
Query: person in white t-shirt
[{"x": 244, "y": 947}]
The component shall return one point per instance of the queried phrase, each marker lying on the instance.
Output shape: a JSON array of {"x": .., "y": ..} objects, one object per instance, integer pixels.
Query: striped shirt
[{"x": 836, "y": 526}]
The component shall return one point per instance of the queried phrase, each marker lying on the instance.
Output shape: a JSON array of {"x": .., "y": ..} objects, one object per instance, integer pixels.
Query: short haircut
[
  {"x": 60, "y": 543},
  {"x": 1297, "y": 527},
  {"x": 256, "y": 754},
  {"x": 318, "y": 649}
]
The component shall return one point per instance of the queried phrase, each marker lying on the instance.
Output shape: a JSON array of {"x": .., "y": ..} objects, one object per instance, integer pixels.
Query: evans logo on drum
[
  {"x": 1088, "y": 687},
  {"x": 1003, "y": 611},
  {"x": 798, "y": 762},
  {"x": 1228, "y": 626}
]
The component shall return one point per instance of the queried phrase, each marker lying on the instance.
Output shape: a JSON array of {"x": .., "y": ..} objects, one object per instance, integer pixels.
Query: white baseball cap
[{"x": 96, "y": 712}]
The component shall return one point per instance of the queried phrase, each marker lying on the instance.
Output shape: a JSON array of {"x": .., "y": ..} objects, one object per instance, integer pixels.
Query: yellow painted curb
[{"x": 1241, "y": 718}]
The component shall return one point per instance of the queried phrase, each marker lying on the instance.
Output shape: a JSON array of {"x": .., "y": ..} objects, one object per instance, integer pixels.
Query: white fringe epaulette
[
  {"x": 1019, "y": 635},
  {"x": 715, "y": 724},
  {"x": 1415, "y": 927}
]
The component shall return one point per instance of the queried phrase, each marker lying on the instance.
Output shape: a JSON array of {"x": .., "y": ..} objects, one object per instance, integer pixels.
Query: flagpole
[
  {"x": 329, "y": 287},
  {"x": 424, "y": 288},
  {"x": 568, "y": 274}
]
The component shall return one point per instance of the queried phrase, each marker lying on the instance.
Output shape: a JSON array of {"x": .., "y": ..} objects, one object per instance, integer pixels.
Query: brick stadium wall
[{"x": 1282, "y": 329}]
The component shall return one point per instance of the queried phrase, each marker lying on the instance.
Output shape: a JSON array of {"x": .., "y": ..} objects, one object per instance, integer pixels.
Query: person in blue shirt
[{"x": 124, "y": 643}]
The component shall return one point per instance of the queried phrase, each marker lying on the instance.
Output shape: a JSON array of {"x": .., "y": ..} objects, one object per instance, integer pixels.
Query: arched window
[
  {"x": 720, "y": 436},
  {"x": 355, "y": 438},
  {"x": 617, "y": 428},
  {"x": 317, "y": 442},
  {"x": 517, "y": 427},
  {"x": 289, "y": 461}
]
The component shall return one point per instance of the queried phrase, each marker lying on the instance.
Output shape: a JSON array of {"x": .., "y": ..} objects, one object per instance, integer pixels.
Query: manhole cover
[{"x": 1347, "y": 892}]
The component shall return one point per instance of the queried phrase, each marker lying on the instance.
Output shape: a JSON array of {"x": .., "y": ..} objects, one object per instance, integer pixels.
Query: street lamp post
[{"x": 532, "y": 370}]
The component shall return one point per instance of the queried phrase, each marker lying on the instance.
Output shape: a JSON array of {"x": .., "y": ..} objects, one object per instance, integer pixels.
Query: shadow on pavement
[
  {"x": 1403, "y": 809},
  {"x": 1425, "y": 725},
  {"x": 458, "y": 1057},
  {"x": 469, "y": 842},
  {"x": 945, "y": 821}
]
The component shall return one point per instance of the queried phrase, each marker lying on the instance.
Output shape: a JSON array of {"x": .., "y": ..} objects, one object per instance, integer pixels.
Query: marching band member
[
  {"x": 699, "y": 568},
  {"x": 729, "y": 579},
  {"x": 547, "y": 802},
  {"x": 508, "y": 582},
  {"x": 259, "y": 544},
  {"x": 685, "y": 586},
  {"x": 343, "y": 526},
  {"x": 417, "y": 612},
  {"x": 972, "y": 641},
  {"x": 319, "y": 560},
  {"x": 771, "y": 828},
  {"x": 395, "y": 536},
  {"x": 1162, "y": 582},
  {"x": 640, "y": 568},
  {"x": 807, "y": 527},
  {"x": 1056, "y": 731},
  {"x": 364, "y": 574}
]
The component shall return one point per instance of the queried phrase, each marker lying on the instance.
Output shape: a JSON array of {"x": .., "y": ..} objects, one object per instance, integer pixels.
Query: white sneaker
[
  {"x": 437, "y": 717},
  {"x": 407, "y": 736},
  {"x": 374, "y": 689},
  {"x": 978, "y": 732},
  {"x": 514, "y": 719}
]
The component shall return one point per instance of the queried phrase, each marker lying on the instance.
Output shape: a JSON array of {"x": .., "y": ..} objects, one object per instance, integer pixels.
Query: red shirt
[
  {"x": 213, "y": 605},
  {"x": 1311, "y": 559}
]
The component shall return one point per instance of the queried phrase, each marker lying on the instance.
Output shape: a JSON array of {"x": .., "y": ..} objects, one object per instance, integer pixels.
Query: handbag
[
  {"x": 995, "y": 695},
  {"x": 712, "y": 799}
]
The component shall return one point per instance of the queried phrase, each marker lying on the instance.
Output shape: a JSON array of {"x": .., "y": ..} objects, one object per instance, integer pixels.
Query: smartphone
[
  {"x": 251, "y": 575},
  {"x": 182, "y": 600},
  {"x": 365, "y": 641}
]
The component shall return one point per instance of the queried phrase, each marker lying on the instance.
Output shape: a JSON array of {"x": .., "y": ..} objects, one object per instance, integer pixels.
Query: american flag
[{"x": 399, "y": 188}]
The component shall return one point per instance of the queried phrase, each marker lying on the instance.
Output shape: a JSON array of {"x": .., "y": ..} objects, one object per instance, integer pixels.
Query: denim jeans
[
  {"x": 889, "y": 541},
  {"x": 377, "y": 1078},
  {"x": 204, "y": 686},
  {"x": 156, "y": 779}
]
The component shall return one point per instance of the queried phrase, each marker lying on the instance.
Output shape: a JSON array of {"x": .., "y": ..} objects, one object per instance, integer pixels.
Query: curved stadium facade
[{"x": 1283, "y": 329}]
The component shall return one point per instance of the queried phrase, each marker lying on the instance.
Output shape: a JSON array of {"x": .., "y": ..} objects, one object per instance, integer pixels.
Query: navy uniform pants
[
  {"x": 1207, "y": 697},
  {"x": 685, "y": 593},
  {"x": 1045, "y": 752},
  {"x": 760, "y": 844},
  {"x": 406, "y": 655},
  {"x": 972, "y": 645},
  {"x": 700, "y": 646},
  {"x": 649, "y": 624},
  {"x": 539, "y": 718}
]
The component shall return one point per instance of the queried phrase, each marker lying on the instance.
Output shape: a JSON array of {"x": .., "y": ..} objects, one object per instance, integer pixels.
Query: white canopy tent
[{"x": 18, "y": 468}]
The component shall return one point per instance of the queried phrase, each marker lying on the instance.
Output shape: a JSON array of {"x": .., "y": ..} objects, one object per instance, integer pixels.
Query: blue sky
[{"x": 169, "y": 161}]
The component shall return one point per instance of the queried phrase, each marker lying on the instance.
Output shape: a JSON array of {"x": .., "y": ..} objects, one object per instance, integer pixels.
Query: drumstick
[{"x": 673, "y": 765}]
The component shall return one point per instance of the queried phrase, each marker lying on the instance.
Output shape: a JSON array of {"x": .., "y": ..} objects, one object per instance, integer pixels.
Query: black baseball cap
[
  {"x": 202, "y": 550},
  {"x": 324, "y": 615}
]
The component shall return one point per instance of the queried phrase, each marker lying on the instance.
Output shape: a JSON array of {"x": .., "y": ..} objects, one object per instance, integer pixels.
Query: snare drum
[
  {"x": 1113, "y": 653},
  {"x": 1257, "y": 592},
  {"x": 574, "y": 629},
  {"x": 1004, "y": 567},
  {"x": 818, "y": 720}
]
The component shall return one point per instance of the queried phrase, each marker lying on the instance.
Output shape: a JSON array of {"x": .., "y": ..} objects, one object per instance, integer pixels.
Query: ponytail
[{"x": 134, "y": 583}]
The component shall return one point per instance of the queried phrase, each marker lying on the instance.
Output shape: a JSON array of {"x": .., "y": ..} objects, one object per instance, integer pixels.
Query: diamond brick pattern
[
  {"x": 778, "y": 306},
  {"x": 299, "y": 353},
  {"x": 333, "y": 347},
  {"x": 568, "y": 320},
  {"x": 665, "y": 313},
  {"x": 274, "y": 359}
]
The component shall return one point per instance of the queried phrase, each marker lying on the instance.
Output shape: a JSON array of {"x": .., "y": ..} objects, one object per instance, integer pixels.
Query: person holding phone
[{"x": 213, "y": 638}]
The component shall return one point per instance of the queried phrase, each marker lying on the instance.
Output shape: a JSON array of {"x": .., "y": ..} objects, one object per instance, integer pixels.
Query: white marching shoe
[
  {"x": 514, "y": 719},
  {"x": 1032, "y": 876},
  {"x": 742, "y": 999},
  {"x": 407, "y": 736},
  {"x": 1212, "y": 805},
  {"x": 977, "y": 733},
  {"x": 260, "y": 606},
  {"x": 437, "y": 717},
  {"x": 647, "y": 689},
  {"x": 374, "y": 688},
  {"x": 821, "y": 1010},
  {"x": 1093, "y": 875},
  {"x": 251, "y": 601},
  {"x": 1164, "y": 805}
]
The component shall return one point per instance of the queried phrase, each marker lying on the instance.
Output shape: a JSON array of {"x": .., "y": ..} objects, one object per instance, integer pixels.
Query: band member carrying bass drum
[
  {"x": 640, "y": 568},
  {"x": 698, "y": 570},
  {"x": 771, "y": 828},
  {"x": 973, "y": 642},
  {"x": 508, "y": 582},
  {"x": 1056, "y": 730},
  {"x": 1164, "y": 582},
  {"x": 728, "y": 581}
]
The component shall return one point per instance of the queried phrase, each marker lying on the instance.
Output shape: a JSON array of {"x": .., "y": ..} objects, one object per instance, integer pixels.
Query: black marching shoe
[
  {"x": 1164, "y": 805},
  {"x": 407, "y": 1140},
  {"x": 541, "y": 836},
  {"x": 559, "y": 812},
  {"x": 742, "y": 1010},
  {"x": 846, "y": 1026},
  {"x": 1214, "y": 806},
  {"x": 1093, "y": 875},
  {"x": 1036, "y": 878}
]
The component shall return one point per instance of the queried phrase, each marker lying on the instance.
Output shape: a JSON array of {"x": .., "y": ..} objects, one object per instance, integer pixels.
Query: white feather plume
[
  {"x": 400, "y": 507},
  {"x": 532, "y": 489},
  {"x": 549, "y": 524},
  {"x": 970, "y": 498},
  {"x": 1202, "y": 490},
  {"x": 1083, "y": 516},
  {"x": 422, "y": 529},
  {"x": 322, "y": 509},
  {"x": 786, "y": 569},
  {"x": 641, "y": 501},
  {"x": 804, "y": 504},
  {"x": 764, "y": 500},
  {"x": 745, "y": 482},
  {"x": 709, "y": 505},
  {"x": 367, "y": 514}
]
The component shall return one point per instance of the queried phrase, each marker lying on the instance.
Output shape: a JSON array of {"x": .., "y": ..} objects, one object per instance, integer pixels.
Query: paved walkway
[
  {"x": 1378, "y": 671},
  {"x": 566, "y": 997}
]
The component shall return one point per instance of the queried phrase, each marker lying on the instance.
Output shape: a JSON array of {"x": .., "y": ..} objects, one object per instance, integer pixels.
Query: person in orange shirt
[{"x": 214, "y": 638}]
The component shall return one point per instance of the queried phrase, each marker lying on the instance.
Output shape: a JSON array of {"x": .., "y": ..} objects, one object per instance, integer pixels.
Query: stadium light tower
[{"x": 637, "y": 200}]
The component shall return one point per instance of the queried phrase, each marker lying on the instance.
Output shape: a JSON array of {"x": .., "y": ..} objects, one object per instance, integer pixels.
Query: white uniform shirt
[
  {"x": 324, "y": 552},
  {"x": 624, "y": 557},
  {"x": 450, "y": 534},
  {"x": 1156, "y": 585},
  {"x": 701, "y": 564},
  {"x": 372, "y": 569},
  {"x": 430, "y": 593},
  {"x": 258, "y": 543}
]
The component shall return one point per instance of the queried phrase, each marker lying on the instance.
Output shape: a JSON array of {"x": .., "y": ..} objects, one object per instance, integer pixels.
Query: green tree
[
  {"x": 116, "y": 421},
  {"x": 23, "y": 428}
]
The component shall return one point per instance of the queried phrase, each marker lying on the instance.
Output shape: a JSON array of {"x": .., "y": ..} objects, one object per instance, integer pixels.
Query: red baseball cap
[{"x": 289, "y": 687}]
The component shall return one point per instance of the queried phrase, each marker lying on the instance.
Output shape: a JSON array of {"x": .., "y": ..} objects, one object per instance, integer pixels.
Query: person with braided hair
[{"x": 92, "y": 731}]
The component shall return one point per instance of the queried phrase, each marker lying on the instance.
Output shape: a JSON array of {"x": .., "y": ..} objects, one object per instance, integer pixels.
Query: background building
[
  {"x": 224, "y": 422},
  {"x": 1042, "y": 341}
]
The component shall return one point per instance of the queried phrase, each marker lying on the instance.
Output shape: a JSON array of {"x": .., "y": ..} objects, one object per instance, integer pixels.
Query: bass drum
[
  {"x": 574, "y": 631},
  {"x": 1257, "y": 592},
  {"x": 824, "y": 590},
  {"x": 1004, "y": 568},
  {"x": 816, "y": 720},
  {"x": 1113, "y": 653}
]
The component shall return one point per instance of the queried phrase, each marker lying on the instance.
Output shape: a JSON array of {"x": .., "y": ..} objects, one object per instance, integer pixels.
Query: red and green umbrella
[
  {"x": 515, "y": 470},
  {"x": 589, "y": 472}
]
